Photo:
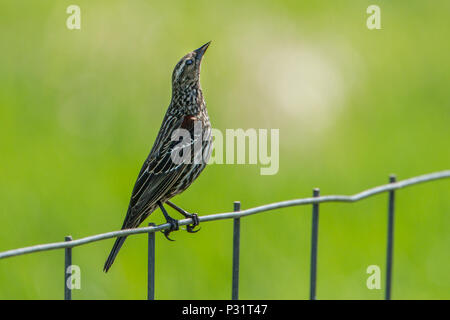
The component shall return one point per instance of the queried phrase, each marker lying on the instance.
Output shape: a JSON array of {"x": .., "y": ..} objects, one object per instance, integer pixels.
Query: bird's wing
[{"x": 158, "y": 174}]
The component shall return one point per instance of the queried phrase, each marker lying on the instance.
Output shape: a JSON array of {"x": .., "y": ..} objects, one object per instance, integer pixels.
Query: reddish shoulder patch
[{"x": 188, "y": 122}]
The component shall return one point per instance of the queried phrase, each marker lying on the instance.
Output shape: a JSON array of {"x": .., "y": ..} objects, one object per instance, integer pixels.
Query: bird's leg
[
  {"x": 173, "y": 223},
  {"x": 193, "y": 216}
]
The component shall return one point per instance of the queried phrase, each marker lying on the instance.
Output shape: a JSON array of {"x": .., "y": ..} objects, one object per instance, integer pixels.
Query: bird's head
[{"x": 187, "y": 70}]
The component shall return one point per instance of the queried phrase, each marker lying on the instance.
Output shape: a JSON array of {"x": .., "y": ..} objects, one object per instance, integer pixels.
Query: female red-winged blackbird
[{"x": 162, "y": 177}]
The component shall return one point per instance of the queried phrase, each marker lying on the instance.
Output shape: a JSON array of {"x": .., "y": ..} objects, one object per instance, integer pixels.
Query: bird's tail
[{"x": 115, "y": 250}]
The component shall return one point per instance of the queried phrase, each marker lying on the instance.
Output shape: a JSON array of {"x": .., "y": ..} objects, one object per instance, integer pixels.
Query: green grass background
[{"x": 79, "y": 111}]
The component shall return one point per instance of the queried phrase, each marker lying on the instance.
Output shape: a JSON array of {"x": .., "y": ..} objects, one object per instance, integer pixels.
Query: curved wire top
[{"x": 232, "y": 215}]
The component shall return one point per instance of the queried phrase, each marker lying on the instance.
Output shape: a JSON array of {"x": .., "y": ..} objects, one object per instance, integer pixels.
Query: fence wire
[
  {"x": 231, "y": 215},
  {"x": 236, "y": 216}
]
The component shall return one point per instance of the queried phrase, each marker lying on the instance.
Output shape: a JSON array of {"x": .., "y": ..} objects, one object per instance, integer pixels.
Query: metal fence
[{"x": 393, "y": 185}]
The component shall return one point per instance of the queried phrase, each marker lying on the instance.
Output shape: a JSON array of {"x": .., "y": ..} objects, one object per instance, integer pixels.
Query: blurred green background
[{"x": 80, "y": 109}]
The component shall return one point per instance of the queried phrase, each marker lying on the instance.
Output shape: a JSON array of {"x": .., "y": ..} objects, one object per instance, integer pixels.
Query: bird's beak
[{"x": 201, "y": 51}]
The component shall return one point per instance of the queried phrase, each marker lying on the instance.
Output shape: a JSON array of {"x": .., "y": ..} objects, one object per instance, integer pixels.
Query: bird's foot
[
  {"x": 173, "y": 227},
  {"x": 193, "y": 216},
  {"x": 196, "y": 222}
]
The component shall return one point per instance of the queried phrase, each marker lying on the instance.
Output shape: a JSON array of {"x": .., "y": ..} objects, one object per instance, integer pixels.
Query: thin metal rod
[
  {"x": 390, "y": 240},
  {"x": 236, "y": 252},
  {"x": 230, "y": 215},
  {"x": 151, "y": 265},
  {"x": 314, "y": 246},
  {"x": 67, "y": 275}
]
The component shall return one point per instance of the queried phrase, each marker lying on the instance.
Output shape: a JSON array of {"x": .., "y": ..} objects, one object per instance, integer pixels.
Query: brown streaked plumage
[{"x": 161, "y": 178}]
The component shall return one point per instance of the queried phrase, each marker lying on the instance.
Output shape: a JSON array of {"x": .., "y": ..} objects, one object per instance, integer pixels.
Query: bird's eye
[{"x": 189, "y": 62}]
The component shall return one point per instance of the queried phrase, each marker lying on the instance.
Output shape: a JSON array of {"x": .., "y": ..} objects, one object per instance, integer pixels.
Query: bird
[{"x": 163, "y": 175}]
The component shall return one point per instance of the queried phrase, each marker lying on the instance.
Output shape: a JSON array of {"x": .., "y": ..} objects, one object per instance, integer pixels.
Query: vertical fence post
[
  {"x": 151, "y": 265},
  {"x": 314, "y": 241},
  {"x": 236, "y": 249},
  {"x": 390, "y": 239},
  {"x": 67, "y": 264}
]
